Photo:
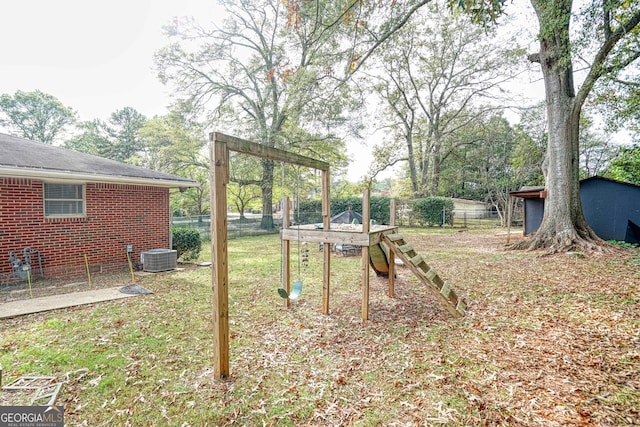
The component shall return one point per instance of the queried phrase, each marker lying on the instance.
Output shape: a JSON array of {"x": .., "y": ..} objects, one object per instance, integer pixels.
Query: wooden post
[
  {"x": 326, "y": 223},
  {"x": 221, "y": 144},
  {"x": 392, "y": 255},
  {"x": 286, "y": 251},
  {"x": 509, "y": 202},
  {"x": 219, "y": 170},
  {"x": 366, "y": 217}
]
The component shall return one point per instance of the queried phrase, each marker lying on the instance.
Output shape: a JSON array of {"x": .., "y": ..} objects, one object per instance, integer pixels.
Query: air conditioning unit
[{"x": 156, "y": 260}]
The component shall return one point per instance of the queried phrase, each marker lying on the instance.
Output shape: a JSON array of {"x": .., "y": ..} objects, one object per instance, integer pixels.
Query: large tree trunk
[
  {"x": 267, "y": 195},
  {"x": 436, "y": 161},
  {"x": 563, "y": 225},
  {"x": 412, "y": 164}
]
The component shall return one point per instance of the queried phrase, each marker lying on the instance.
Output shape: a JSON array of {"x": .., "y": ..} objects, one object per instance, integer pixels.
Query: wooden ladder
[{"x": 445, "y": 293}]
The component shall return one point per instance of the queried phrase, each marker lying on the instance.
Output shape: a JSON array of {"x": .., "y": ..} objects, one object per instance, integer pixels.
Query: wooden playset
[{"x": 371, "y": 238}]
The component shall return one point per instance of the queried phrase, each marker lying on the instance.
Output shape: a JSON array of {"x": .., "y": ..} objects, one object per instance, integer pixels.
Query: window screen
[{"x": 63, "y": 199}]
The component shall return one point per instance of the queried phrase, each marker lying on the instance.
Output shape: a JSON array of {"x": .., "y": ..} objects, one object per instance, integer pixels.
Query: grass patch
[{"x": 544, "y": 338}]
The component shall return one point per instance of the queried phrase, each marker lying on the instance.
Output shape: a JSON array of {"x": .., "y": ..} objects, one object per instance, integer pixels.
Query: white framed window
[{"x": 63, "y": 200}]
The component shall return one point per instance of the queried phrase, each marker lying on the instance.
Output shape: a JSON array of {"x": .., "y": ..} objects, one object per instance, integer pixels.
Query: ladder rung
[
  {"x": 424, "y": 267},
  {"x": 394, "y": 237},
  {"x": 461, "y": 307},
  {"x": 433, "y": 277},
  {"x": 448, "y": 292},
  {"x": 416, "y": 260},
  {"x": 405, "y": 248}
]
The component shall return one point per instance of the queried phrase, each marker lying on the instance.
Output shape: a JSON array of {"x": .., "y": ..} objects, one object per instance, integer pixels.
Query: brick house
[{"x": 65, "y": 205}]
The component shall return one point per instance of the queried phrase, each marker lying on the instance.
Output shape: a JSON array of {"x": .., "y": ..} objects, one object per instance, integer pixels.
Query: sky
[{"x": 96, "y": 57}]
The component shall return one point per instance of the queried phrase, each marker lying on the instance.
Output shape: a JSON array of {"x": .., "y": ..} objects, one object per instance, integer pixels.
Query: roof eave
[{"x": 59, "y": 176}]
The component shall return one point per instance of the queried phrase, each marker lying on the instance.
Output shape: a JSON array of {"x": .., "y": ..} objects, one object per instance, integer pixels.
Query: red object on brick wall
[{"x": 117, "y": 215}]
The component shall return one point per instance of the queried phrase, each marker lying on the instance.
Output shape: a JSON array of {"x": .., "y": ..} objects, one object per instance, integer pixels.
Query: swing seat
[{"x": 295, "y": 292}]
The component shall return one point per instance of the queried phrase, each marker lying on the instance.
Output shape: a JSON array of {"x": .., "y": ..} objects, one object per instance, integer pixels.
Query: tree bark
[
  {"x": 563, "y": 226},
  {"x": 267, "y": 195},
  {"x": 412, "y": 163},
  {"x": 436, "y": 164}
]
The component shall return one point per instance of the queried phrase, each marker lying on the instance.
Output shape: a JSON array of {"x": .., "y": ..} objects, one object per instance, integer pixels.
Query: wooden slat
[
  {"x": 392, "y": 254},
  {"x": 325, "y": 236},
  {"x": 392, "y": 274},
  {"x": 394, "y": 237},
  {"x": 416, "y": 260},
  {"x": 365, "y": 283},
  {"x": 446, "y": 291},
  {"x": 431, "y": 274},
  {"x": 405, "y": 248},
  {"x": 326, "y": 256},
  {"x": 365, "y": 254},
  {"x": 219, "y": 170},
  {"x": 326, "y": 199},
  {"x": 258, "y": 150}
]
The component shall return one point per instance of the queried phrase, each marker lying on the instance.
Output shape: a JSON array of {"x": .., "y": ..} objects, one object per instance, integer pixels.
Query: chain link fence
[{"x": 250, "y": 224}]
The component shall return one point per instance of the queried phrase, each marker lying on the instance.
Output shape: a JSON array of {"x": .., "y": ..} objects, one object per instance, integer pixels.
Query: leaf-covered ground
[{"x": 547, "y": 341}]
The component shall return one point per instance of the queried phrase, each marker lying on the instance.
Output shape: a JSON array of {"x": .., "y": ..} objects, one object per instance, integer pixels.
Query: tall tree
[
  {"x": 90, "y": 140},
  {"x": 122, "y": 130},
  {"x": 563, "y": 225},
  {"x": 244, "y": 185},
  {"x": 115, "y": 139},
  {"x": 498, "y": 159},
  {"x": 436, "y": 79},
  {"x": 608, "y": 39},
  {"x": 267, "y": 68},
  {"x": 36, "y": 115},
  {"x": 626, "y": 165},
  {"x": 596, "y": 148},
  {"x": 177, "y": 145}
]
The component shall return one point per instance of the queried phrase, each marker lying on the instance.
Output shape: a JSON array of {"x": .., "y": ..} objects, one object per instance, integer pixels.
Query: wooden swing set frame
[{"x": 220, "y": 146}]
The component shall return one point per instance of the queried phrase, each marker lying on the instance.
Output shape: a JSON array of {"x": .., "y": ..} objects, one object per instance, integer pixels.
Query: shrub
[
  {"x": 186, "y": 241},
  {"x": 430, "y": 210}
]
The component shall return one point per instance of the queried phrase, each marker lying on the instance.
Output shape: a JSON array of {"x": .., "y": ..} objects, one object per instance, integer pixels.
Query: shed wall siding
[
  {"x": 609, "y": 206},
  {"x": 116, "y": 216}
]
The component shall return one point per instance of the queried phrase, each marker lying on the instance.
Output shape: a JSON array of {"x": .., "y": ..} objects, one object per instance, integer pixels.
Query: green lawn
[{"x": 548, "y": 340}]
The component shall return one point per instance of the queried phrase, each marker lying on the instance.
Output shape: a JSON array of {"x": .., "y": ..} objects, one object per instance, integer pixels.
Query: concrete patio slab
[{"x": 53, "y": 302}]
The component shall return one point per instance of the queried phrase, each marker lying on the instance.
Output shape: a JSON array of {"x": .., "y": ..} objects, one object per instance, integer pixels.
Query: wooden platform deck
[{"x": 348, "y": 234}]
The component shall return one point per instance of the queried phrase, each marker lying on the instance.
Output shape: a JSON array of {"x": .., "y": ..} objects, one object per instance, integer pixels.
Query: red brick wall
[{"x": 116, "y": 216}]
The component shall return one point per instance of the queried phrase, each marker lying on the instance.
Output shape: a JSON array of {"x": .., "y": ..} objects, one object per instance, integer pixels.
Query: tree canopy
[
  {"x": 36, "y": 115},
  {"x": 265, "y": 74},
  {"x": 626, "y": 165},
  {"x": 116, "y": 138},
  {"x": 439, "y": 75}
]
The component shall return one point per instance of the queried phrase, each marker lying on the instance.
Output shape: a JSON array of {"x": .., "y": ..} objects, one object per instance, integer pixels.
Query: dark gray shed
[
  {"x": 533, "y": 207},
  {"x": 611, "y": 208}
]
